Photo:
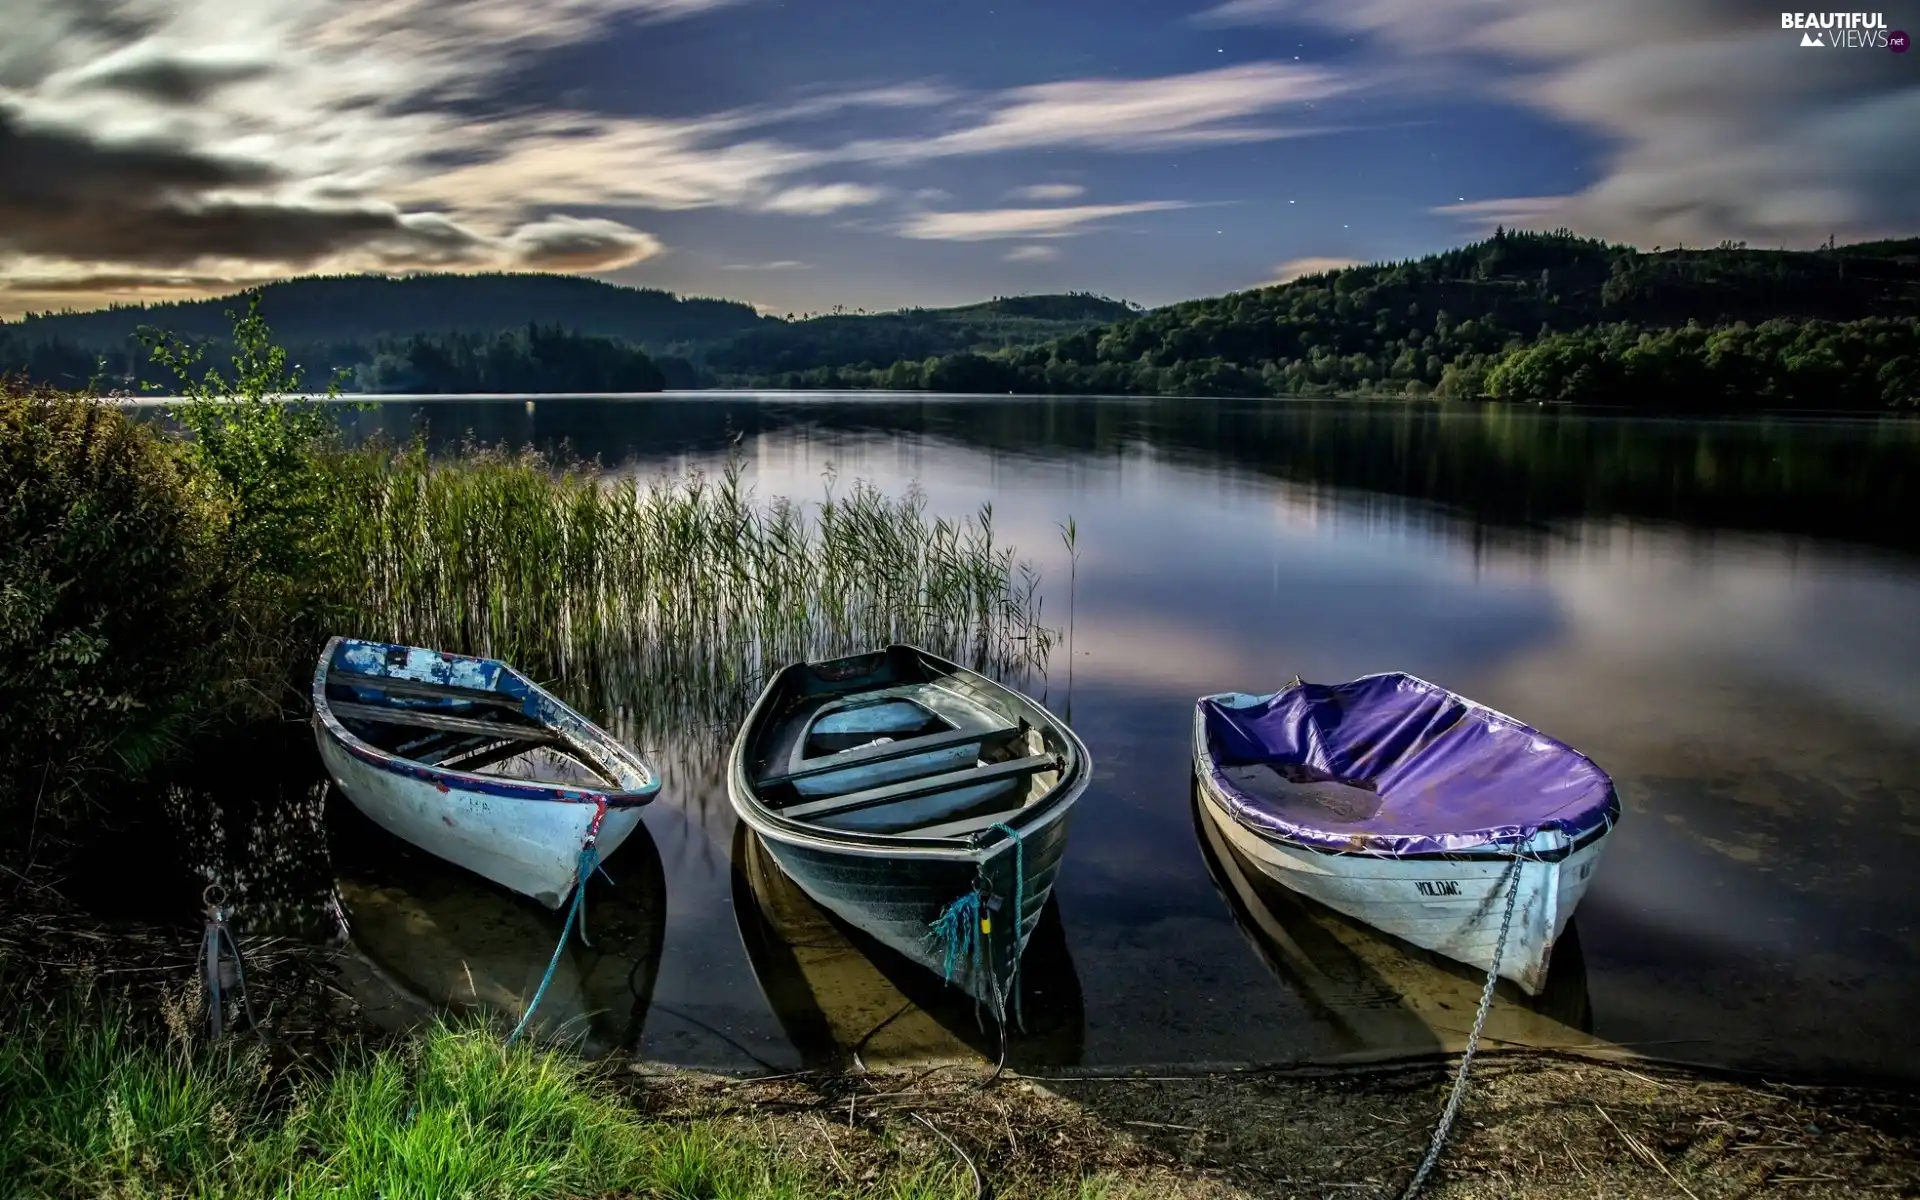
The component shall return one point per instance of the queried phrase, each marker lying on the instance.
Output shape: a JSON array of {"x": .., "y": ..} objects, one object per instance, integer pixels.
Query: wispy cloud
[
  {"x": 180, "y": 140},
  {"x": 1300, "y": 268},
  {"x": 983, "y": 225},
  {"x": 779, "y": 264},
  {"x": 1722, "y": 125},
  {"x": 1523, "y": 211},
  {"x": 1044, "y": 192},
  {"x": 820, "y": 199},
  {"x": 1029, "y": 254},
  {"x": 1124, "y": 114}
]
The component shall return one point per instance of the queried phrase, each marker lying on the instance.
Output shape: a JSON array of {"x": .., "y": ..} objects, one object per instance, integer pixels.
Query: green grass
[{"x": 90, "y": 1109}]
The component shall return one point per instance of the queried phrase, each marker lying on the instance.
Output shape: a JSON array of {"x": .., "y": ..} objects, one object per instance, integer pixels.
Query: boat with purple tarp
[{"x": 1403, "y": 805}]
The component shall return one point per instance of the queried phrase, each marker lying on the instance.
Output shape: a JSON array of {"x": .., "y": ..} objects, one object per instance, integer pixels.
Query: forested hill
[
  {"x": 1571, "y": 318},
  {"x": 1519, "y": 316},
  {"x": 336, "y": 309},
  {"x": 444, "y": 332},
  {"x": 880, "y": 339}
]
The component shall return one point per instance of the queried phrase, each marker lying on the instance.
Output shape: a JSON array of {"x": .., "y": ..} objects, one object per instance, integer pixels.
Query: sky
[{"x": 802, "y": 154}]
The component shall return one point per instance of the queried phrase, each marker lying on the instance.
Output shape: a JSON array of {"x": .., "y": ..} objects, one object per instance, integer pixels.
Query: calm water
[{"x": 1724, "y": 614}]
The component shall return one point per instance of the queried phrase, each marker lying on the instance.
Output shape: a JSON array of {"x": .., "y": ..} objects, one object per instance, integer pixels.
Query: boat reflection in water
[
  {"x": 1384, "y": 996},
  {"x": 839, "y": 994},
  {"x": 433, "y": 938}
]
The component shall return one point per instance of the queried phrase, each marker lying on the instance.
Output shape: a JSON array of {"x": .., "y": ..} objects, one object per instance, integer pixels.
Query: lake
[{"x": 1724, "y": 614}]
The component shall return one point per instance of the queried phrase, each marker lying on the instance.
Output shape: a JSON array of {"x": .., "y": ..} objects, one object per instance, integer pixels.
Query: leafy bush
[
  {"x": 152, "y": 586},
  {"x": 109, "y": 622}
]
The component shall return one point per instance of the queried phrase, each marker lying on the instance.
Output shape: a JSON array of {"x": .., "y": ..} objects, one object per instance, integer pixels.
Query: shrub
[{"x": 109, "y": 623}]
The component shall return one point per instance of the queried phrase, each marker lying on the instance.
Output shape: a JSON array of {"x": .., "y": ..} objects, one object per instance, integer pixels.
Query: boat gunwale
[
  {"x": 979, "y": 846},
  {"x": 473, "y": 782},
  {"x": 1561, "y": 839}
]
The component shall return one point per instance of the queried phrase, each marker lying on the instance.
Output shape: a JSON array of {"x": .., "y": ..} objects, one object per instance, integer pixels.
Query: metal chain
[{"x": 1473, "y": 1041}]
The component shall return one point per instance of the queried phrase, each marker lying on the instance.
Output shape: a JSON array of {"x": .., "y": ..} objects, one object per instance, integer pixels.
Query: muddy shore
[{"x": 1532, "y": 1124}]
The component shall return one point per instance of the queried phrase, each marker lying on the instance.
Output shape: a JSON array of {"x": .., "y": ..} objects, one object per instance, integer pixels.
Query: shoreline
[{"x": 1534, "y": 1123}]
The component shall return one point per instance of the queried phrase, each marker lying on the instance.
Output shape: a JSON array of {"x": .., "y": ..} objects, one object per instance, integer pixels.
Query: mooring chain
[{"x": 1473, "y": 1040}]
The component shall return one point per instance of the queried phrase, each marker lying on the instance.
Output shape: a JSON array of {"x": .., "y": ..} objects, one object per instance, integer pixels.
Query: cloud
[
  {"x": 781, "y": 264},
  {"x": 1721, "y": 125},
  {"x": 818, "y": 199},
  {"x": 1047, "y": 191},
  {"x": 573, "y": 244},
  {"x": 194, "y": 139},
  {"x": 1123, "y": 114},
  {"x": 1523, "y": 211},
  {"x": 981, "y": 225},
  {"x": 1300, "y": 268},
  {"x": 1032, "y": 254}
]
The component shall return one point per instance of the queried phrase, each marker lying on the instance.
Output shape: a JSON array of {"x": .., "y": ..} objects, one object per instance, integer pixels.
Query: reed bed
[{"x": 663, "y": 605}]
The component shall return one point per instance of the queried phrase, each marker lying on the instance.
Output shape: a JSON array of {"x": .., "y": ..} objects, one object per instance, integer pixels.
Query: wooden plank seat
[
  {"x": 963, "y": 826},
  {"x": 907, "y": 789},
  {"x": 421, "y": 689},
  {"x": 378, "y": 715},
  {"x": 862, "y": 756}
]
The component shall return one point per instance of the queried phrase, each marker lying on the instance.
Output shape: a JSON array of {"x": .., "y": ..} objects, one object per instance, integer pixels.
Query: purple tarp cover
[{"x": 1394, "y": 765}]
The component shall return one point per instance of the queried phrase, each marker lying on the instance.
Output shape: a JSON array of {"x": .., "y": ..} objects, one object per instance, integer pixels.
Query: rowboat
[
  {"x": 918, "y": 801},
  {"x": 471, "y": 761},
  {"x": 1383, "y": 997},
  {"x": 1412, "y": 809},
  {"x": 844, "y": 999}
]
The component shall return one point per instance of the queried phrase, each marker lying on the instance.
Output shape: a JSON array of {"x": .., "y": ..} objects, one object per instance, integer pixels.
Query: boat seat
[
  {"x": 861, "y": 756},
  {"x": 379, "y": 715},
  {"x": 421, "y": 689},
  {"x": 833, "y": 806},
  {"x": 964, "y": 826}
]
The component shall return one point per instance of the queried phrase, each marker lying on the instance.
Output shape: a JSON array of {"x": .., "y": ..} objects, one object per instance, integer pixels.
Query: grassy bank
[{"x": 102, "y": 1098}]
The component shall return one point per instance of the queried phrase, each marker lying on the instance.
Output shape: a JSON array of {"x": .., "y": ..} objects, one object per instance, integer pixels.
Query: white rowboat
[
  {"x": 1407, "y": 807},
  {"x": 473, "y": 762}
]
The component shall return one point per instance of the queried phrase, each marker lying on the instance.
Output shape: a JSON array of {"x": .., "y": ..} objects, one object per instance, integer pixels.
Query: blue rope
[
  {"x": 1019, "y": 918},
  {"x": 958, "y": 930},
  {"x": 589, "y": 861}
]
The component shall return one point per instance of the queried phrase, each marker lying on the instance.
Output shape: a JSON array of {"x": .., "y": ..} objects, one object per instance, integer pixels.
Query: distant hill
[
  {"x": 397, "y": 334},
  {"x": 878, "y": 339},
  {"x": 1535, "y": 317},
  {"x": 366, "y": 308},
  {"x": 1832, "y": 328}
]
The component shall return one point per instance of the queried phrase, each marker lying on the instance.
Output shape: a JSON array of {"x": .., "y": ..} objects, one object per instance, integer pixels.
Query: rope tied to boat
[
  {"x": 1459, "y": 1091},
  {"x": 964, "y": 931},
  {"x": 1019, "y": 922},
  {"x": 220, "y": 962},
  {"x": 576, "y": 914}
]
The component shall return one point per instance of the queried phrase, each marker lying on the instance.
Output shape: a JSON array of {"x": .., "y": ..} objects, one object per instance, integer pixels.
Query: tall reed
[{"x": 664, "y": 604}]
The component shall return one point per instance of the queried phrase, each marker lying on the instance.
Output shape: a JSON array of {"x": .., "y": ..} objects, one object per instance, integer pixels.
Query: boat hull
[
  {"x": 895, "y": 896},
  {"x": 1451, "y": 906},
  {"x": 845, "y": 1000},
  {"x": 527, "y": 846}
]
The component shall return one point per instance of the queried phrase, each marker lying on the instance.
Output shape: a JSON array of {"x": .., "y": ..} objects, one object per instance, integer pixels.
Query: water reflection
[
  {"x": 431, "y": 937},
  {"x": 1687, "y": 602},
  {"x": 842, "y": 997},
  {"x": 1381, "y": 994},
  {"x": 1510, "y": 472}
]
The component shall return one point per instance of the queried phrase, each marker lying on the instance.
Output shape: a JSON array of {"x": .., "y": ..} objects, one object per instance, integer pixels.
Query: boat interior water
[
  {"x": 933, "y": 757},
  {"x": 456, "y": 726}
]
